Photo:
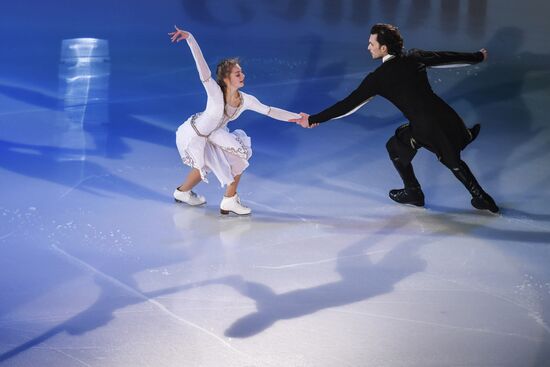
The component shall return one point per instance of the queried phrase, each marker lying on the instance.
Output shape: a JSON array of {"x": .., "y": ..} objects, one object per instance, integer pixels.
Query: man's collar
[{"x": 387, "y": 57}]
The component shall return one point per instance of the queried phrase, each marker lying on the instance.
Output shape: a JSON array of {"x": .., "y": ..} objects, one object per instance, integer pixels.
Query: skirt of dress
[{"x": 224, "y": 153}]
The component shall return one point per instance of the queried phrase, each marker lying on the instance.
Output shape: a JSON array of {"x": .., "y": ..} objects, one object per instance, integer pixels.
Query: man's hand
[
  {"x": 485, "y": 53},
  {"x": 302, "y": 121},
  {"x": 178, "y": 35}
]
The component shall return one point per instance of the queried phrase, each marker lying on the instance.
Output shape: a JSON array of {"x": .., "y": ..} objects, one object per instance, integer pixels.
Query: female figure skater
[{"x": 204, "y": 141}]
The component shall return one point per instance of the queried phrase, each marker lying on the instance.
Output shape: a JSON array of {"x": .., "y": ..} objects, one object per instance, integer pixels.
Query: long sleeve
[
  {"x": 446, "y": 58},
  {"x": 214, "y": 104},
  {"x": 253, "y": 104},
  {"x": 202, "y": 66},
  {"x": 357, "y": 98}
]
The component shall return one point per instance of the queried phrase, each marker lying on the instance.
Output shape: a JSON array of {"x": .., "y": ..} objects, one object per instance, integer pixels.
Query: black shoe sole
[
  {"x": 226, "y": 212},
  {"x": 183, "y": 202},
  {"x": 415, "y": 203},
  {"x": 484, "y": 205}
]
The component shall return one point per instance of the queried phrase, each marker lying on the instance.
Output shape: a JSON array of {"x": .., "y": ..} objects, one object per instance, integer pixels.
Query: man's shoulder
[
  {"x": 414, "y": 52},
  {"x": 395, "y": 62}
]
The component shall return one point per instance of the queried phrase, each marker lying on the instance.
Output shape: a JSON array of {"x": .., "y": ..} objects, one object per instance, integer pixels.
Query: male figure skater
[{"x": 433, "y": 124}]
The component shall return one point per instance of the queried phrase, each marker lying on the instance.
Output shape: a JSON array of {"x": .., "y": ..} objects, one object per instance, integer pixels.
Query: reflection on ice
[{"x": 84, "y": 71}]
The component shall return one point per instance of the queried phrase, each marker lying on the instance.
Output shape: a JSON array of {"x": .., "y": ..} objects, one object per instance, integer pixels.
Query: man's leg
[
  {"x": 480, "y": 199},
  {"x": 401, "y": 154}
]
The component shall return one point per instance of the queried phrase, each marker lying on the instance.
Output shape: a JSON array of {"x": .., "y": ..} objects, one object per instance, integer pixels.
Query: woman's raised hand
[{"x": 178, "y": 35}]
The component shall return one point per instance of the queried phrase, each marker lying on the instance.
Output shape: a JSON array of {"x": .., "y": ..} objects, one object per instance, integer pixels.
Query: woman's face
[{"x": 236, "y": 77}]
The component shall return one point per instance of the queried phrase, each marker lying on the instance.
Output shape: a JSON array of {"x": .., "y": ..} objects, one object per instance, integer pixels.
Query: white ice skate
[
  {"x": 233, "y": 205},
  {"x": 189, "y": 197}
]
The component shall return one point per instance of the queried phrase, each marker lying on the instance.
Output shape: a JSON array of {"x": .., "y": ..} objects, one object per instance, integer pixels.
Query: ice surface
[{"x": 99, "y": 267}]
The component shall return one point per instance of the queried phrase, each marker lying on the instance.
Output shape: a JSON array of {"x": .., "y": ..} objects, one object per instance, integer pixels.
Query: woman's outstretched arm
[
  {"x": 273, "y": 112},
  {"x": 202, "y": 66}
]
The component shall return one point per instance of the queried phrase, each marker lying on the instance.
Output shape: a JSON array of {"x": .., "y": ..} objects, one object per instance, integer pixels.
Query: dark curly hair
[{"x": 389, "y": 36}]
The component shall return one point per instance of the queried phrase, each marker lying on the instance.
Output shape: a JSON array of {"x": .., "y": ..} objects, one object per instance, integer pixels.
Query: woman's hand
[
  {"x": 178, "y": 35},
  {"x": 303, "y": 121}
]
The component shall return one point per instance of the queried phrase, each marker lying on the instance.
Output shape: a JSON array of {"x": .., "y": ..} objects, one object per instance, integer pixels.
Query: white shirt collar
[{"x": 387, "y": 57}]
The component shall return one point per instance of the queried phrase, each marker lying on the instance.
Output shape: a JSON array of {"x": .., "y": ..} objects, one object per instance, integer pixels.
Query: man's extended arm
[
  {"x": 448, "y": 58},
  {"x": 357, "y": 98}
]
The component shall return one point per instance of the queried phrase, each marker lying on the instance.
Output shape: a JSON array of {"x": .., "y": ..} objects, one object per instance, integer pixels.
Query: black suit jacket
[{"x": 404, "y": 82}]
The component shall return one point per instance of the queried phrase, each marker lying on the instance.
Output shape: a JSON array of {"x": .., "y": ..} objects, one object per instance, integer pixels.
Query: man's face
[{"x": 375, "y": 49}]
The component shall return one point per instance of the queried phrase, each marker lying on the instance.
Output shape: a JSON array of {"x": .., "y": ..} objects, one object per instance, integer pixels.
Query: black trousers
[{"x": 402, "y": 148}]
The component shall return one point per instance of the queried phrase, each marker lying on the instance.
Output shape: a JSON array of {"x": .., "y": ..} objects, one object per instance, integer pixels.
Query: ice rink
[{"x": 100, "y": 267}]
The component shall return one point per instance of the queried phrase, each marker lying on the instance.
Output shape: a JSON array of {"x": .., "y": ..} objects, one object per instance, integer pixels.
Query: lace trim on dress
[
  {"x": 192, "y": 122},
  {"x": 241, "y": 152},
  {"x": 189, "y": 161}
]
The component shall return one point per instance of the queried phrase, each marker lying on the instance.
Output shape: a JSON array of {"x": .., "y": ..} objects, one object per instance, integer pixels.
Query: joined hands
[{"x": 303, "y": 121}]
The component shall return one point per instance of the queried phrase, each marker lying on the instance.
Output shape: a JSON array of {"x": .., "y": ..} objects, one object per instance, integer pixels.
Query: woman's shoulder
[
  {"x": 245, "y": 95},
  {"x": 248, "y": 98}
]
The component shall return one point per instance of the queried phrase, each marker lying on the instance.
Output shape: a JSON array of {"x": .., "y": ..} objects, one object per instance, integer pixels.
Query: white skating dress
[{"x": 204, "y": 141}]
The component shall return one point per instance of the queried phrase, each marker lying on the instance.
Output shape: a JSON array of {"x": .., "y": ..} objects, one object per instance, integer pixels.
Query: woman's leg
[
  {"x": 193, "y": 178},
  {"x": 231, "y": 189},
  {"x": 184, "y": 194},
  {"x": 231, "y": 201}
]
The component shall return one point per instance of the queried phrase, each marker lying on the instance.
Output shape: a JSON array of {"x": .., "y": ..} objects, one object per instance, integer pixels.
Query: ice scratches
[
  {"x": 4, "y": 236},
  {"x": 355, "y": 189},
  {"x": 332, "y": 259},
  {"x": 441, "y": 325},
  {"x": 531, "y": 287},
  {"x": 71, "y": 357},
  {"x": 60, "y": 351},
  {"x": 525, "y": 220},
  {"x": 24, "y": 111},
  {"x": 336, "y": 361},
  {"x": 19, "y": 221},
  {"x": 532, "y": 314},
  {"x": 114, "y": 241},
  {"x": 539, "y": 320},
  {"x": 89, "y": 268},
  {"x": 74, "y": 187},
  {"x": 278, "y": 210}
]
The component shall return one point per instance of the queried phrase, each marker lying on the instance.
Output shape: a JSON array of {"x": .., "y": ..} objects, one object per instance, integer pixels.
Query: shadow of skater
[
  {"x": 114, "y": 295},
  {"x": 33, "y": 97},
  {"x": 43, "y": 162},
  {"x": 97, "y": 315},
  {"x": 360, "y": 280},
  {"x": 497, "y": 93}
]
